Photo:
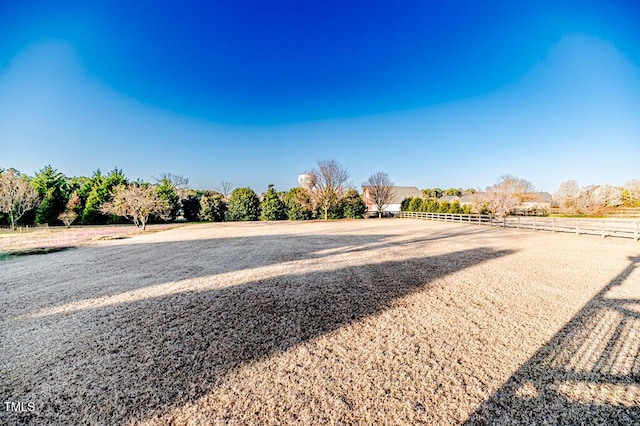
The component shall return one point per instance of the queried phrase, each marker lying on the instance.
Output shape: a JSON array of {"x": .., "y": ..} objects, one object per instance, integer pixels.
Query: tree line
[
  {"x": 52, "y": 198},
  {"x": 509, "y": 192},
  {"x": 574, "y": 199}
]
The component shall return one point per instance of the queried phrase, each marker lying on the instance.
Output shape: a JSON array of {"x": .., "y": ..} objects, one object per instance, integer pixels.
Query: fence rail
[
  {"x": 632, "y": 212},
  {"x": 629, "y": 228}
]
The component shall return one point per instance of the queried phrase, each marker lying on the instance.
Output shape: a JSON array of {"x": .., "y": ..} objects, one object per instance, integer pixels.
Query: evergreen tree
[
  {"x": 98, "y": 190},
  {"x": 243, "y": 205},
  {"x": 191, "y": 207},
  {"x": 298, "y": 204},
  {"x": 169, "y": 195},
  {"x": 272, "y": 207},
  {"x": 53, "y": 189},
  {"x": 212, "y": 207},
  {"x": 415, "y": 204},
  {"x": 353, "y": 206},
  {"x": 443, "y": 207},
  {"x": 455, "y": 208}
]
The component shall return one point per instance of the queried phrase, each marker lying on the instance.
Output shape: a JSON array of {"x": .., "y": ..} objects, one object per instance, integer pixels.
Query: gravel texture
[{"x": 352, "y": 322}]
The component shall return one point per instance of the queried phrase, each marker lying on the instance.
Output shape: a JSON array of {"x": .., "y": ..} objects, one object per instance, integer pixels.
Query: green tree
[
  {"x": 298, "y": 204},
  {"x": 353, "y": 206},
  {"x": 212, "y": 207},
  {"x": 272, "y": 207},
  {"x": 430, "y": 205},
  {"x": 443, "y": 207},
  {"x": 432, "y": 193},
  {"x": 191, "y": 207},
  {"x": 98, "y": 190},
  {"x": 415, "y": 204},
  {"x": 243, "y": 205},
  {"x": 54, "y": 191},
  {"x": 454, "y": 192},
  {"x": 170, "y": 197},
  {"x": 454, "y": 207}
]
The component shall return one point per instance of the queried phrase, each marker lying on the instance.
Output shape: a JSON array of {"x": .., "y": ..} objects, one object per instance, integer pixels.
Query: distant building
[
  {"x": 400, "y": 193},
  {"x": 305, "y": 181},
  {"x": 535, "y": 201}
]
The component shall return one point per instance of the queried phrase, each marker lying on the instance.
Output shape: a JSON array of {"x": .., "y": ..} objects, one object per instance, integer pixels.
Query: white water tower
[{"x": 305, "y": 181}]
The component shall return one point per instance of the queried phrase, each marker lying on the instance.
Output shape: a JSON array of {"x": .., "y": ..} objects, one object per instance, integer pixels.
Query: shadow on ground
[
  {"x": 107, "y": 270},
  {"x": 140, "y": 360},
  {"x": 589, "y": 373}
]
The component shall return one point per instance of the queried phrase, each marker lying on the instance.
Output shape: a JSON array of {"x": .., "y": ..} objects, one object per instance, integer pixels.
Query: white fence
[{"x": 629, "y": 228}]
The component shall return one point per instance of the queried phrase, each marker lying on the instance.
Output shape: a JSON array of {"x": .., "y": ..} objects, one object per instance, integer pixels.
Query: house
[
  {"x": 399, "y": 194},
  {"x": 535, "y": 202}
]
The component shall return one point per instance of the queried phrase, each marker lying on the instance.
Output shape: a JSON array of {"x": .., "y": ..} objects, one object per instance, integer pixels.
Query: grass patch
[
  {"x": 31, "y": 251},
  {"x": 110, "y": 237}
]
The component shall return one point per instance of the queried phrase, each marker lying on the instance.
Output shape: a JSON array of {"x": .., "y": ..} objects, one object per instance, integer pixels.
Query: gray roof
[
  {"x": 402, "y": 192},
  {"x": 449, "y": 198},
  {"x": 541, "y": 197}
]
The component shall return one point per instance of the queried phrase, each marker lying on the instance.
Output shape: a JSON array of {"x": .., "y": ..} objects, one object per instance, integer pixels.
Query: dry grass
[
  {"x": 24, "y": 241},
  {"x": 356, "y": 322}
]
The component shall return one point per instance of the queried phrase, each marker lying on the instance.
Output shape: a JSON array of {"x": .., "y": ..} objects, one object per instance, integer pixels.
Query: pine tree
[
  {"x": 353, "y": 206},
  {"x": 243, "y": 205},
  {"x": 272, "y": 207}
]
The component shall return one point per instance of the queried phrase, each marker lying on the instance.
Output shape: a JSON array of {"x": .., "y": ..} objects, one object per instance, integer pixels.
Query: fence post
[
  {"x": 518, "y": 226},
  {"x": 504, "y": 222},
  {"x": 553, "y": 224}
]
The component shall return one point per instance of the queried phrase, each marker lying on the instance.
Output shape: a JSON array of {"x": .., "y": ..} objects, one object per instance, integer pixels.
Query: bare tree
[
  {"x": 589, "y": 200},
  {"x": 631, "y": 193},
  {"x": 17, "y": 196},
  {"x": 328, "y": 182},
  {"x": 592, "y": 200},
  {"x": 506, "y": 194},
  {"x": 380, "y": 189},
  {"x": 137, "y": 202},
  {"x": 225, "y": 189},
  {"x": 69, "y": 214},
  {"x": 567, "y": 196},
  {"x": 178, "y": 183}
]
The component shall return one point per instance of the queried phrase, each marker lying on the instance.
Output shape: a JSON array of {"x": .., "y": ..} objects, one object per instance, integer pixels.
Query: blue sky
[{"x": 448, "y": 95}]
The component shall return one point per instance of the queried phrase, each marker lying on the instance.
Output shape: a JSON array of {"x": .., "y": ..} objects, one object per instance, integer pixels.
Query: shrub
[
  {"x": 243, "y": 205},
  {"x": 353, "y": 206},
  {"x": 54, "y": 191},
  {"x": 298, "y": 204},
  {"x": 272, "y": 207},
  {"x": 404, "y": 205},
  {"x": 191, "y": 208},
  {"x": 212, "y": 207},
  {"x": 415, "y": 204},
  {"x": 170, "y": 197}
]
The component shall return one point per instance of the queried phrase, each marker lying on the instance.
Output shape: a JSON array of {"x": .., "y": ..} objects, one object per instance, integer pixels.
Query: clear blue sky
[{"x": 448, "y": 94}]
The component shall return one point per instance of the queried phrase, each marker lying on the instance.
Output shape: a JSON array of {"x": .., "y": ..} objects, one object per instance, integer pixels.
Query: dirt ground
[
  {"x": 392, "y": 321},
  {"x": 23, "y": 239}
]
